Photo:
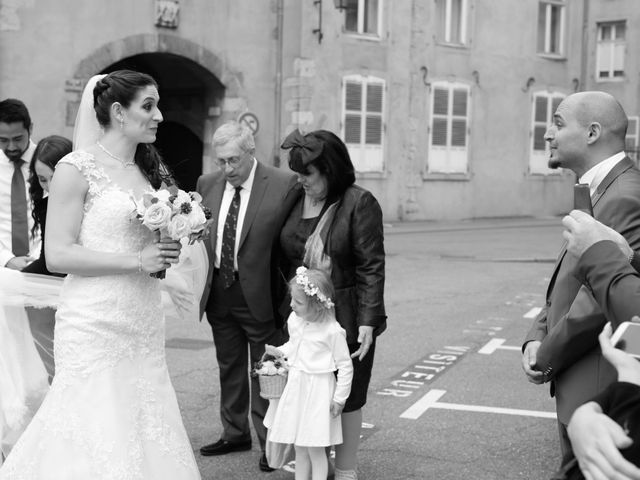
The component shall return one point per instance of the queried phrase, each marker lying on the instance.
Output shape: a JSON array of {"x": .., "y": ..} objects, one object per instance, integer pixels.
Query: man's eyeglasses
[{"x": 232, "y": 162}]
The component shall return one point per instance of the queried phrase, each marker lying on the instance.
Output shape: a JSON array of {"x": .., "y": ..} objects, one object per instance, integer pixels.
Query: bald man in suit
[{"x": 588, "y": 137}]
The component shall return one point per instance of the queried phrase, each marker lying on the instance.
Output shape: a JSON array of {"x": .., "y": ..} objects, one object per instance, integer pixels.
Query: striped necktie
[{"x": 19, "y": 224}]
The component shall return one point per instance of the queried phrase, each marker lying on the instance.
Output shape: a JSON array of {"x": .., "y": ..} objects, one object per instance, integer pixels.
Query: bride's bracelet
[{"x": 139, "y": 261}]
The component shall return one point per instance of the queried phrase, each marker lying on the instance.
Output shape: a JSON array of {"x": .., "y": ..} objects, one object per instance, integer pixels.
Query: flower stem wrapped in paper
[
  {"x": 272, "y": 371},
  {"x": 173, "y": 213}
]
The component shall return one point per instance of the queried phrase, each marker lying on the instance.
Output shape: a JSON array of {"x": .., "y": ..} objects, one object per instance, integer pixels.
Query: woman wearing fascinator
[
  {"x": 111, "y": 411},
  {"x": 336, "y": 226}
]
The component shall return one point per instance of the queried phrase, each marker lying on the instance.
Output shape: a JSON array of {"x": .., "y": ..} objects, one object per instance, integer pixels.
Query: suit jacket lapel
[
  {"x": 260, "y": 181},
  {"x": 552, "y": 282},
  {"x": 622, "y": 166}
]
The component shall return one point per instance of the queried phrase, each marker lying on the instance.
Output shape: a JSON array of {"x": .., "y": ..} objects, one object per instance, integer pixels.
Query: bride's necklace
[{"x": 125, "y": 163}]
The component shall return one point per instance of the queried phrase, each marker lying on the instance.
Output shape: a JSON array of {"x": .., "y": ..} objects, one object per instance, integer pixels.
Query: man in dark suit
[
  {"x": 587, "y": 136},
  {"x": 607, "y": 265},
  {"x": 597, "y": 440},
  {"x": 246, "y": 198}
]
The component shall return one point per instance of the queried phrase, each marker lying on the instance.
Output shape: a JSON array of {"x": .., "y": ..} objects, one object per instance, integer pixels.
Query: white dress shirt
[
  {"x": 596, "y": 174},
  {"x": 227, "y": 197},
  {"x": 6, "y": 174}
]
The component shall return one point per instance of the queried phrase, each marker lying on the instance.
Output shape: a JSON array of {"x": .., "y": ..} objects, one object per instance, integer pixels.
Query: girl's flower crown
[{"x": 310, "y": 289}]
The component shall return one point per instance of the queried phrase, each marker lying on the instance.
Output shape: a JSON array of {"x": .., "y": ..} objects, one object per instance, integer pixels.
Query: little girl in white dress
[{"x": 307, "y": 414}]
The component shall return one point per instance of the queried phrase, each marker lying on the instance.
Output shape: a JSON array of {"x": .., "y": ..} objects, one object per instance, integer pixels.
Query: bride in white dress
[{"x": 111, "y": 412}]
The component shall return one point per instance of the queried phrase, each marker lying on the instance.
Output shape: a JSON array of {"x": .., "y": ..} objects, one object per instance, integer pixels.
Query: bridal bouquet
[
  {"x": 272, "y": 371},
  {"x": 175, "y": 214}
]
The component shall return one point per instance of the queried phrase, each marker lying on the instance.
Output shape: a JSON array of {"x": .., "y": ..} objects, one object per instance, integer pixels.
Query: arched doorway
[
  {"x": 182, "y": 150},
  {"x": 186, "y": 92}
]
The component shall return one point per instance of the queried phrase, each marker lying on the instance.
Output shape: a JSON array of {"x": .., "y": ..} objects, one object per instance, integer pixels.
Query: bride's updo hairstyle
[{"x": 122, "y": 86}]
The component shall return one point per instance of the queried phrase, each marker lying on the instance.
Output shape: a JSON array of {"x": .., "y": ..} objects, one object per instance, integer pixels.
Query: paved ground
[{"x": 448, "y": 399}]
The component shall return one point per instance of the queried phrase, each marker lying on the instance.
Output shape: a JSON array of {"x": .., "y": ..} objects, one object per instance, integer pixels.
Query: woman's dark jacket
[{"x": 355, "y": 243}]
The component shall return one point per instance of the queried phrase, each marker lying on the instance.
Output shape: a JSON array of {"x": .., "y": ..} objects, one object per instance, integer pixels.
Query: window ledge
[
  {"x": 547, "y": 176},
  {"x": 371, "y": 175},
  {"x": 611, "y": 80},
  {"x": 553, "y": 56},
  {"x": 368, "y": 37},
  {"x": 447, "y": 177},
  {"x": 456, "y": 46}
]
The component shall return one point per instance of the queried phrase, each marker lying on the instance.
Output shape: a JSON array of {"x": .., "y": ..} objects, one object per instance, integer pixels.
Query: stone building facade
[{"x": 443, "y": 103}]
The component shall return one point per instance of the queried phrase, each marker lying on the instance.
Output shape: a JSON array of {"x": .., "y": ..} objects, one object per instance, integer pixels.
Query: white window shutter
[
  {"x": 373, "y": 127},
  {"x": 439, "y": 132},
  {"x": 364, "y": 121},
  {"x": 610, "y": 50},
  {"x": 440, "y": 101},
  {"x": 540, "y": 105},
  {"x": 543, "y": 107},
  {"x": 354, "y": 95},
  {"x": 541, "y": 118},
  {"x": 449, "y": 128},
  {"x": 459, "y": 122},
  {"x": 618, "y": 60},
  {"x": 353, "y": 109}
]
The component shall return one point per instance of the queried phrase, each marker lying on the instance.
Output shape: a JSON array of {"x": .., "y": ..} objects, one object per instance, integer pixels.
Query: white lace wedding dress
[{"x": 111, "y": 412}]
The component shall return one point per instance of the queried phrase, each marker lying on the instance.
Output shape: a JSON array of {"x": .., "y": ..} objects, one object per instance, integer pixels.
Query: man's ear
[
  {"x": 30, "y": 130},
  {"x": 594, "y": 131}
]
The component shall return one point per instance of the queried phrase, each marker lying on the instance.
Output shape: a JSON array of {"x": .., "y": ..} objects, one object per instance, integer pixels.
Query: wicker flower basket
[{"x": 271, "y": 386}]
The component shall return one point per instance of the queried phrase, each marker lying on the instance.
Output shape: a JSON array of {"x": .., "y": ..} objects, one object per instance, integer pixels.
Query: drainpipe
[
  {"x": 278, "y": 90},
  {"x": 584, "y": 54}
]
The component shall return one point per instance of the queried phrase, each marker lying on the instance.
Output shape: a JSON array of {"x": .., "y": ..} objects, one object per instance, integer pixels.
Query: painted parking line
[
  {"x": 533, "y": 313},
  {"x": 496, "y": 344},
  {"x": 424, "y": 371},
  {"x": 430, "y": 400},
  {"x": 482, "y": 329}
]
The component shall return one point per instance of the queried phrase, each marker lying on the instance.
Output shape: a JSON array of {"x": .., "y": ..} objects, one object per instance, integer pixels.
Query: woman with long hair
[{"x": 43, "y": 162}]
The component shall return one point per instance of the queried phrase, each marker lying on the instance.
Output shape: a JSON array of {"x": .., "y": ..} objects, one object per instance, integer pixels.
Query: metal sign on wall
[
  {"x": 250, "y": 120},
  {"x": 167, "y": 13}
]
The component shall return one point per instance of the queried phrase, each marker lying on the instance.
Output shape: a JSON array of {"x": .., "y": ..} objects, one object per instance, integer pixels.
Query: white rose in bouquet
[
  {"x": 179, "y": 227},
  {"x": 157, "y": 216},
  {"x": 197, "y": 218}
]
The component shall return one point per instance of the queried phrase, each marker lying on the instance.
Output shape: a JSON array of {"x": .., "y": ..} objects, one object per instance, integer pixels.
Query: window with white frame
[
  {"x": 610, "y": 50},
  {"x": 449, "y": 132},
  {"x": 544, "y": 106},
  {"x": 452, "y": 15},
  {"x": 632, "y": 139},
  {"x": 551, "y": 19},
  {"x": 363, "y": 17},
  {"x": 363, "y": 121}
]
